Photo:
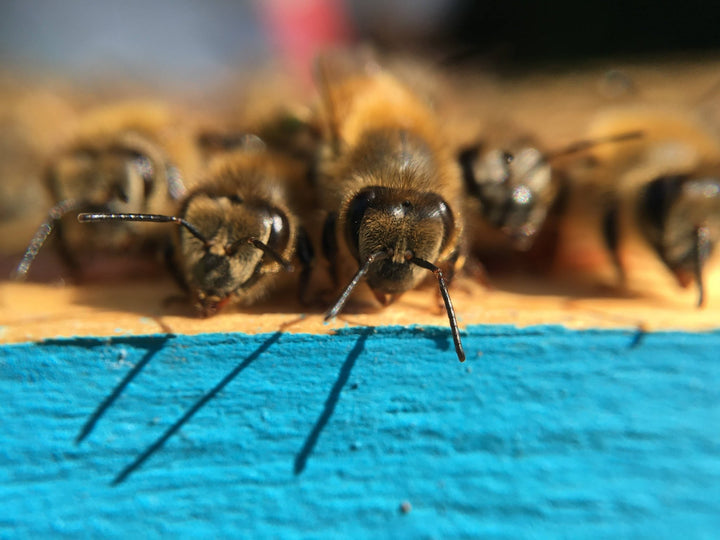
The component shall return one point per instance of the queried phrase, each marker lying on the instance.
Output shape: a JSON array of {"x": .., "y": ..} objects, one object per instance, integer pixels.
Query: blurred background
[{"x": 191, "y": 42}]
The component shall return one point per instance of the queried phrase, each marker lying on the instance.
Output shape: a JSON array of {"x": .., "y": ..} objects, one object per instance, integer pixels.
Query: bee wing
[{"x": 333, "y": 74}]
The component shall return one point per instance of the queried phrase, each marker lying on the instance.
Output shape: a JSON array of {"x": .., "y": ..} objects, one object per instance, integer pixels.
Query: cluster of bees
[{"x": 376, "y": 176}]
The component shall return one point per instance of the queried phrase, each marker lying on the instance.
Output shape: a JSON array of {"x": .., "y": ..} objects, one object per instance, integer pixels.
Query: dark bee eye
[
  {"x": 508, "y": 157},
  {"x": 441, "y": 209},
  {"x": 235, "y": 199},
  {"x": 657, "y": 197},
  {"x": 356, "y": 211},
  {"x": 467, "y": 159},
  {"x": 279, "y": 229}
]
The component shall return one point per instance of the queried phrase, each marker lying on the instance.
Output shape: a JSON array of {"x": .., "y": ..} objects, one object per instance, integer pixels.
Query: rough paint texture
[{"x": 549, "y": 431}]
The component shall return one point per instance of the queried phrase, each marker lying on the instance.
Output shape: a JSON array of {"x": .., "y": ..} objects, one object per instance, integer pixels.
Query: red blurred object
[{"x": 302, "y": 28}]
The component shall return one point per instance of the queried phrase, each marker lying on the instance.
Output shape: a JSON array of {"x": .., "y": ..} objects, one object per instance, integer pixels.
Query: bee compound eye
[
  {"x": 279, "y": 229},
  {"x": 356, "y": 212}
]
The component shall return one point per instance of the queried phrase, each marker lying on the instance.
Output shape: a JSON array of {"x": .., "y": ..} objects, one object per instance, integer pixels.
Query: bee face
[
  {"x": 402, "y": 225},
  {"x": 112, "y": 179},
  {"x": 515, "y": 190},
  {"x": 122, "y": 173},
  {"x": 228, "y": 261},
  {"x": 117, "y": 179}
]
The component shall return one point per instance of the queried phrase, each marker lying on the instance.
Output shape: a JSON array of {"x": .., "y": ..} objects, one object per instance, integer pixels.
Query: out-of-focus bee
[
  {"x": 270, "y": 104},
  {"x": 122, "y": 158},
  {"x": 667, "y": 187},
  {"x": 33, "y": 120},
  {"x": 389, "y": 183},
  {"x": 515, "y": 187},
  {"x": 237, "y": 228}
]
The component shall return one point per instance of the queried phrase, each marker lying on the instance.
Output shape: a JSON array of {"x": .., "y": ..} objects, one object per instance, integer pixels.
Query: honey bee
[
  {"x": 237, "y": 229},
  {"x": 516, "y": 187},
  {"x": 389, "y": 184},
  {"x": 122, "y": 158},
  {"x": 667, "y": 187}
]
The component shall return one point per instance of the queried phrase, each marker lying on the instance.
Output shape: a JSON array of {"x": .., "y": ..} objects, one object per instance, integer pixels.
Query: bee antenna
[
  {"x": 378, "y": 255},
  {"x": 448, "y": 304},
  {"x": 38, "y": 239},
  {"x": 287, "y": 265},
  {"x": 148, "y": 218},
  {"x": 701, "y": 252},
  {"x": 581, "y": 146}
]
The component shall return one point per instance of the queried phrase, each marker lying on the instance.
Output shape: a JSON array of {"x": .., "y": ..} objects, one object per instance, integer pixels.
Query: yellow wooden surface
[
  {"x": 33, "y": 311},
  {"x": 558, "y": 107}
]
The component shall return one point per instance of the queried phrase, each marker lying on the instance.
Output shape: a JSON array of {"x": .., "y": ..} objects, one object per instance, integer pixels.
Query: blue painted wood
[{"x": 548, "y": 432}]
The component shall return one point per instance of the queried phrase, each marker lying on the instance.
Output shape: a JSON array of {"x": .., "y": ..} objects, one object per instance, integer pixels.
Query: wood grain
[{"x": 35, "y": 311}]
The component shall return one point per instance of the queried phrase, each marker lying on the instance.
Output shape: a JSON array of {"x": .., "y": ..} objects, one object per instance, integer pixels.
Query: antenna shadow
[
  {"x": 154, "y": 447},
  {"x": 330, "y": 403},
  {"x": 153, "y": 347}
]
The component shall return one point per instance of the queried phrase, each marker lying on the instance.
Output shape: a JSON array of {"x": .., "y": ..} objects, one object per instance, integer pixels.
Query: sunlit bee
[{"x": 388, "y": 182}]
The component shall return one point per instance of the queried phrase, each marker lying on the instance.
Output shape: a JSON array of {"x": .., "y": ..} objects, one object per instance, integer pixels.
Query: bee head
[
  {"x": 229, "y": 249},
  {"x": 117, "y": 175},
  {"x": 402, "y": 225},
  {"x": 396, "y": 234},
  {"x": 515, "y": 189}
]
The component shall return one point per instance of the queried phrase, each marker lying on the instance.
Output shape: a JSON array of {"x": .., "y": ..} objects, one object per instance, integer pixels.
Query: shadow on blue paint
[
  {"x": 154, "y": 447},
  {"x": 638, "y": 337},
  {"x": 331, "y": 401},
  {"x": 440, "y": 336},
  {"x": 153, "y": 347}
]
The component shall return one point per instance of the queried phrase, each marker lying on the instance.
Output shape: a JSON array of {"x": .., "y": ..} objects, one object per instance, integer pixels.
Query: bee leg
[
  {"x": 450, "y": 270},
  {"x": 306, "y": 255},
  {"x": 330, "y": 247},
  {"x": 175, "y": 299},
  {"x": 173, "y": 268},
  {"x": 66, "y": 255},
  {"x": 701, "y": 252},
  {"x": 611, "y": 236},
  {"x": 383, "y": 298}
]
